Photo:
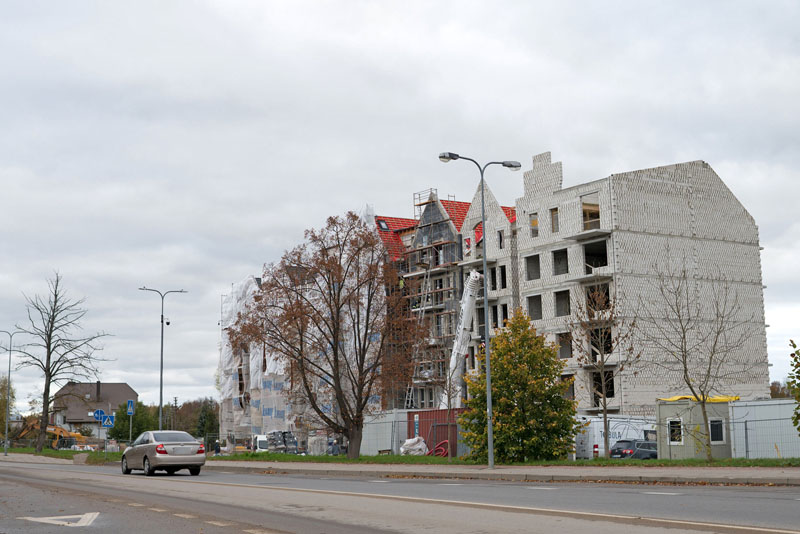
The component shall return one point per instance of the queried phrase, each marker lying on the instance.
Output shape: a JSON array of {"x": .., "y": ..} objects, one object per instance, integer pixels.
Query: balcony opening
[
  {"x": 603, "y": 385},
  {"x": 590, "y": 209},
  {"x": 595, "y": 255}
]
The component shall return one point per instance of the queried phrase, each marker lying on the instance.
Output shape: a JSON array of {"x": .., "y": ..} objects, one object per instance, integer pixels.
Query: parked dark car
[{"x": 635, "y": 448}]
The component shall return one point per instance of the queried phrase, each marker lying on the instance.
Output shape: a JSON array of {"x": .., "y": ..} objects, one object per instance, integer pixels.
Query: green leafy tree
[
  {"x": 4, "y": 389},
  {"x": 144, "y": 418},
  {"x": 208, "y": 419},
  {"x": 532, "y": 418},
  {"x": 793, "y": 382}
]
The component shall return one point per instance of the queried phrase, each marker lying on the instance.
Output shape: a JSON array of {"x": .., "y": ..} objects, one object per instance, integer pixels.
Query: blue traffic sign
[
  {"x": 130, "y": 407},
  {"x": 98, "y": 414},
  {"x": 108, "y": 421}
]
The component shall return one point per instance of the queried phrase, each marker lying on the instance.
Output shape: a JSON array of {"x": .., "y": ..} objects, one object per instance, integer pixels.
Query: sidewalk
[{"x": 778, "y": 476}]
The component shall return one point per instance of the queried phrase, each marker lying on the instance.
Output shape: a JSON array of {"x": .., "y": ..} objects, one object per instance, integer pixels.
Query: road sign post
[{"x": 131, "y": 409}]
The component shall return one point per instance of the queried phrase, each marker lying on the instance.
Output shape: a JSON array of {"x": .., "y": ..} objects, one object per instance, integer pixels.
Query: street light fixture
[
  {"x": 8, "y": 385},
  {"x": 161, "y": 371},
  {"x": 514, "y": 166}
]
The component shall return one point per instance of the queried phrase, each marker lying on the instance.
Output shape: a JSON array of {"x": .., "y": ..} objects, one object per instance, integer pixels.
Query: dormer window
[{"x": 382, "y": 225}]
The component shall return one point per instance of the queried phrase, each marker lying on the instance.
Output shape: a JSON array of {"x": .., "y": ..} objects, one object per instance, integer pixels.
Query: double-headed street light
[
  {"x": 161, "y": 372},
  {"x": 514, "y": 166},
  {"x": 8, "y": 385}
]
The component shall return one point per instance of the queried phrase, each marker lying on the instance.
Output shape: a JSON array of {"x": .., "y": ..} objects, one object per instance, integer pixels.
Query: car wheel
[
  {"x": 125, "y": 469},
  {"x": 194, "y": 471},
  {"x": 148, "y": 469}
]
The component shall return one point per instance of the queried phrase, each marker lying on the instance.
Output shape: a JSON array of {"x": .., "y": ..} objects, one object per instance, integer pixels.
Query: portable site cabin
[
  {"x": 589, "y": 440},
  {"x": 680, "y": 420}
]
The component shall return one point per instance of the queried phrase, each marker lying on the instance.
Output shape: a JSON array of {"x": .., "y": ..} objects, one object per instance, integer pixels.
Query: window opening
[
  {"x": 494, "y": 317},
  {"x": 500, "y": 239},
  {"x": 675, "y": 432},
  {"x": 535, "y": 307},
  {"x": 717, "y": 431},
  {"x": 560, "y": 262},
  {"x": 590, "y": 208},
  {"x": 564, "y": 345},
  {"x": 383, "y": 226},
  {"x": 503, "y": 279},
  {"x": 532, "y": 271},
  {"x": 602, "y": 345},
  {"x": 554, "y": 220},
  {"x": 504, "y": 314},
  {"x": 570, "y": 392},
  {"x": 493, "y": 273},
  {"x": 562, "y": 303},
  {"x": 533, "y": 218}
]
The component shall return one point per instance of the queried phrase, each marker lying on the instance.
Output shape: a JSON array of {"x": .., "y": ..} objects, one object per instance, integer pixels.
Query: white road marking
[
  {"x": 185, "y": 516},
  {"x": 219, "y": 523},
  {"x": 540, "y": 487},
  {"x": 156, "y": 509},
  {"x": 261, "y": 531},
  {"x": 83, "y": 520},
  {"x": 660, "y": 493},
  {"x": 134, "y": 504},
  {"x": 449, "y": 484},
  {"x": 379, "y": 481}
]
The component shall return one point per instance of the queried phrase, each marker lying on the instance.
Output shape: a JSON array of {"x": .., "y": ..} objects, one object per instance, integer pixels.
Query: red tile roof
[
  {"x": 457, "y": 211},
  {"x": 391, "y": 237},
  {"x": 510, "y": 212}
]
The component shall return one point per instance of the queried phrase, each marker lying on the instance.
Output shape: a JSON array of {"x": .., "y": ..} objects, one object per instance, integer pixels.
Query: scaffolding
[{"x": 432, "y": 259}]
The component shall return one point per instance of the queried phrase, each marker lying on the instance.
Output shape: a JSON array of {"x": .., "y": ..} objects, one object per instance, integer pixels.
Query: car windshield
[
  {"x": 169, "y": 437},
  {"x": 622, "y": 445},
  {"x": 262, "y": 444}
]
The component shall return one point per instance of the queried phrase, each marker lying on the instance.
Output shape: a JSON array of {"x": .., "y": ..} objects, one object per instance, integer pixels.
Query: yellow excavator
[{"x": 60, "y": 438}]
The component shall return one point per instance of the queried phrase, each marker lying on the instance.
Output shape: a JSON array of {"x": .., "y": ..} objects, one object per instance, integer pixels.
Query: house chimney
[{"x": 97, "y": 396}]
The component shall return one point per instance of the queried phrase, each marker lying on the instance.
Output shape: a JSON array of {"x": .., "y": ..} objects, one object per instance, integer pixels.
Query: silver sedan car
[{"x": 165, "y": 450}]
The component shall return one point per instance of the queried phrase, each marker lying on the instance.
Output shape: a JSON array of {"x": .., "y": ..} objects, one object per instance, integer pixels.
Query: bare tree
[
  {"x": 332, "y": 309},
  {"x": 604, "y": 344},
  {"x": 694, "y": 329},
  {"x": 58, "y": 350}
]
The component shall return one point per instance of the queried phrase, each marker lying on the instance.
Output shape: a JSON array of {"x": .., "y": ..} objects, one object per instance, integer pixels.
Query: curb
[{"x": 519, "y": 477}]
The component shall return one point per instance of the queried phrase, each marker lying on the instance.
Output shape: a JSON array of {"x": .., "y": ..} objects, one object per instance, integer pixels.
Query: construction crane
[{"x": 453, "y": 385}]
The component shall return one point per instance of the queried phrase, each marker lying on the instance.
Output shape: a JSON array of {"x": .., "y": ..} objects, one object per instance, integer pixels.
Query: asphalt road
[{"x": 226, "y": 502}]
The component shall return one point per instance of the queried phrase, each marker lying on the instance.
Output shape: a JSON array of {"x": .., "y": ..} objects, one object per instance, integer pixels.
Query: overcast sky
[{"x": 184, "y": 144}]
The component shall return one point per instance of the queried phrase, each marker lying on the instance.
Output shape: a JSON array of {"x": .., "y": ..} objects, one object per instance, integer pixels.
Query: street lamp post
[
  {"x": 8, "y": 385},
  {"x": 514, "y": 166},
  {"x": 161, "y": 370}
]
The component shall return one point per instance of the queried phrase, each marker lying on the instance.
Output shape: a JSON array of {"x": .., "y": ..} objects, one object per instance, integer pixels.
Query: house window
[
  {"x": 554, "y": 220},
  {"x": 590, "y": 209},
  {"x": 533, "y": 218},
  {"x": 562, "y": 303},
  {"x": 564, "y": 345},
  {"x": 503, "y": 279},
  {"x": 595, "y": 255},
  {"x": 532, "y": 271},
  {"x": 597, "y": 297},
  {"x": 535, "y": 307},
  {"x": 500, "y": 239},
  {"x": 603, "y": 386},
  {"x": 717, "y": 431},
  {"x": 382, "y": 225},
  {"x": 675, "y": 428},
  {"x": 560, "y": 262},
  {"x": 570, "y": 392}
]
